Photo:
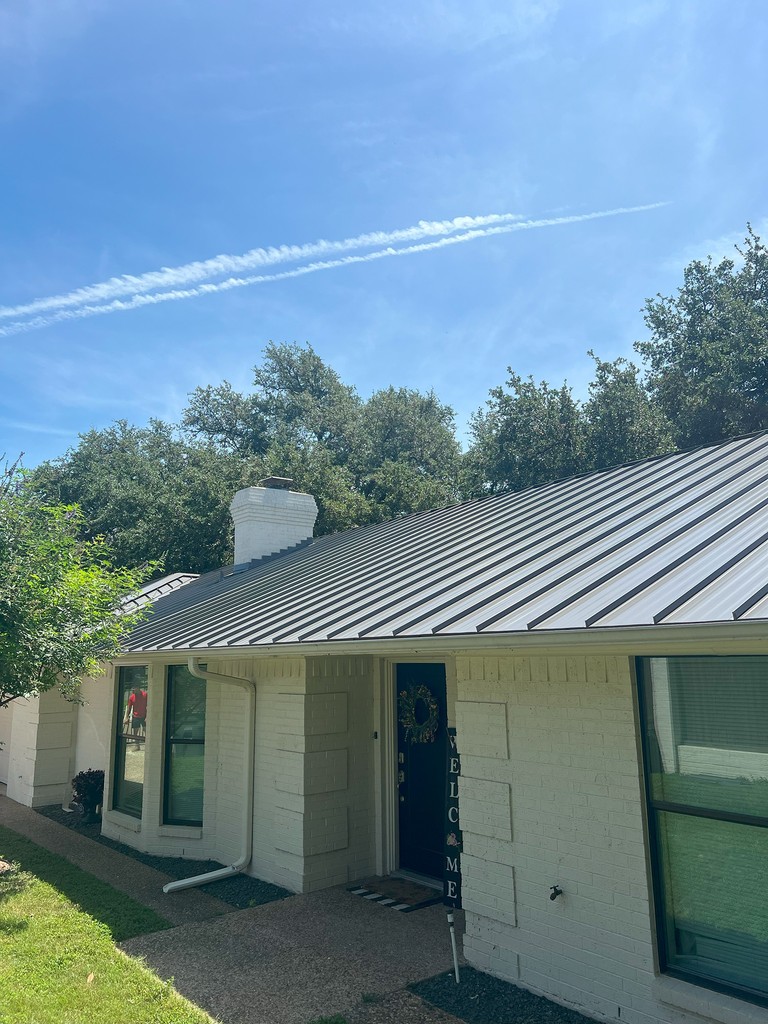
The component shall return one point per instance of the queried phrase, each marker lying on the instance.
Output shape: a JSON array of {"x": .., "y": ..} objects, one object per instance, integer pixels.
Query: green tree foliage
[
  {"x": 227, "y": 419},
  {"x": 708, "y": 350},
  {"x": 151, "y": 494},
  {"x": 305, "y": 401},
  {"x": 61, "y": 599},
  {"x": 314, "y": 470},
  {"x": 528, "y": 434},
  {"x": 408, "y": 457},
  {"x": 363, "y": 461},
  {"x": 622, "y": 423}
]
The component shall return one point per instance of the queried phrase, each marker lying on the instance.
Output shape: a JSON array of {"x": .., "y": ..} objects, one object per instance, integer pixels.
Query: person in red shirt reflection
[{"x": 136, "y": 711}]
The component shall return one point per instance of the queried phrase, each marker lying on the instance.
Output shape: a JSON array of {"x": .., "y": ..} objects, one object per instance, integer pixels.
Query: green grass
[
  {"x": 59, "y": 966},
  {"x": 123, "y": 916}
]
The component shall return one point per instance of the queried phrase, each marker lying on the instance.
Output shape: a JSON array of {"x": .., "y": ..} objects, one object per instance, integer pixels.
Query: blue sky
[{"x": 141, "y": 136}]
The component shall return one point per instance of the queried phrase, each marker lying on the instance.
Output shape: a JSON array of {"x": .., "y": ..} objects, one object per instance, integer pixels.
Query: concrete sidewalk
[
  {"x": 306, "y": 957},
  {"x": 128, "y": 875}
]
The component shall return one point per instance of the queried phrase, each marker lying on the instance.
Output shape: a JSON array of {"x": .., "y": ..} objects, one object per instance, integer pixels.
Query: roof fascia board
[{"x": 703, "y": 638}]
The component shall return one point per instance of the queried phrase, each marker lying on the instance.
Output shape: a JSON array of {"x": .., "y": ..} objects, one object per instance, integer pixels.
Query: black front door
[{"x": 421, "y": 751}]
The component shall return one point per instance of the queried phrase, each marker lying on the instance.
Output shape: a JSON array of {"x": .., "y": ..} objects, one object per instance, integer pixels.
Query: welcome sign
[{"x": 452, "y": 875}]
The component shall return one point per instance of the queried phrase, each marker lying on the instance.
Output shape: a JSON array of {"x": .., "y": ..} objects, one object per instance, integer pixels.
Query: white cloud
[
  {"x": 216, "y": 266},
  {"x": 137, "y": 300}
]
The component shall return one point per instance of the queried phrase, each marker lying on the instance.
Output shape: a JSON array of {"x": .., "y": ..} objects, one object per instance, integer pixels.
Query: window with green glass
[
  {"x": 184, "y": 747},
  {"x": 130, "y": 740},
  {"x": 705, "y": 736}
]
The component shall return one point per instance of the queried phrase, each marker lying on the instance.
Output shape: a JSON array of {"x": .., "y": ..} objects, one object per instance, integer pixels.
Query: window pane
[
  {"x": 185, "y": 747},
  {"x": 707, "y": 732},
  {"x": 715, "y": 882},
  {"x": 186, "y": 713},
  {"x": 184, "y": 800},
  {"x": 128, "y": 787},
  {"x": 129, "y": 779}
]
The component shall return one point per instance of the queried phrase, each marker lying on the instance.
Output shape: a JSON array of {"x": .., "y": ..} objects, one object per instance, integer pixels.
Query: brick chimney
[{"x": 270, "y": 518}]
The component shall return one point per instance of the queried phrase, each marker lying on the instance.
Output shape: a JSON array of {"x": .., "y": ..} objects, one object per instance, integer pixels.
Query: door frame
[{"x": 385, "y": 725}]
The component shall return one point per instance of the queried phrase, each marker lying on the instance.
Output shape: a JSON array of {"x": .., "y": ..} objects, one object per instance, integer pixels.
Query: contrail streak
[
  {"x": 203, "y": 270},
  {"x": 138, "y": 300}
]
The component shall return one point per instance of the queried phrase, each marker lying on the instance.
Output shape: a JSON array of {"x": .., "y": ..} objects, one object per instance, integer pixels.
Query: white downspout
[{"x": 247, "y": 848}]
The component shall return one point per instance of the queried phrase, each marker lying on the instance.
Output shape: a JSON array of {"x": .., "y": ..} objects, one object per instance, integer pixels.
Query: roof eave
[{"x": 701, "y": 638}]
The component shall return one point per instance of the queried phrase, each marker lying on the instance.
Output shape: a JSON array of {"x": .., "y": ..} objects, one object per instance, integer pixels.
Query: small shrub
[{"x": 88, "y": 792}]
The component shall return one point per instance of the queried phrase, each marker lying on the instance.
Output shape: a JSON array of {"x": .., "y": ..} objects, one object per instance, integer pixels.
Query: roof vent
[{"x": 270, "y": 518}]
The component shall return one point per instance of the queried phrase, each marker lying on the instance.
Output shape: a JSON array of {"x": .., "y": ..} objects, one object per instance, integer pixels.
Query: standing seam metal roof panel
[{"x": 670, "y": 539}]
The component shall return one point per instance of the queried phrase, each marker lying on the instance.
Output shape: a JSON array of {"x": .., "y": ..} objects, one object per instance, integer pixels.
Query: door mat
[{"x": 396, "y": 894}]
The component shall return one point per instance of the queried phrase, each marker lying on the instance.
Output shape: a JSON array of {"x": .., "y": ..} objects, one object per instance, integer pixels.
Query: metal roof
[
  {"x": 680, "y": 538},
  {"x": 158, "y": 588}
]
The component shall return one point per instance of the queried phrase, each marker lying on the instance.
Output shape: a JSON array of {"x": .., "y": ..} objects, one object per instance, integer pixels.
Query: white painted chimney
[{"x": 270, "y": 518}]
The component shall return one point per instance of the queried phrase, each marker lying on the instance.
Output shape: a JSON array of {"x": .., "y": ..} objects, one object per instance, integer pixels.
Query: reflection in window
[
  {"x": 184, "y": 748},
  {"x": 706, "y": 756},
  {"x": 128, "y": 787}
]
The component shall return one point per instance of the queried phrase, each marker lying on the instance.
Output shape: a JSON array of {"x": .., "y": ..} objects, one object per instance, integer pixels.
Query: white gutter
[
  {"x": 703, "y": 638},
  {"x": 244, "y": 859}
]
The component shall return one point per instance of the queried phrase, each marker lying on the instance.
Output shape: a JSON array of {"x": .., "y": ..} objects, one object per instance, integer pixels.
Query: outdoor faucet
[{"x": 556, "y": 891}]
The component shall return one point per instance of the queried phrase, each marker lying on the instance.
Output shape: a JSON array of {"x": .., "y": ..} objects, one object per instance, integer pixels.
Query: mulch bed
[
  {"x": 482, "y": 999},
  {"x": 241, "y": 891}
]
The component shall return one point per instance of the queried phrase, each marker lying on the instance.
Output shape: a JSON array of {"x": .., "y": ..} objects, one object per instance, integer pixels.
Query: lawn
[
  {"x": 123, "y": 916},
  {"x": 59, "y": 964}
]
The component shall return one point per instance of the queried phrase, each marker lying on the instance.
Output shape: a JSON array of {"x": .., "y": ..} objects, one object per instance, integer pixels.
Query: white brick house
[{"x": 600, "y": 646}]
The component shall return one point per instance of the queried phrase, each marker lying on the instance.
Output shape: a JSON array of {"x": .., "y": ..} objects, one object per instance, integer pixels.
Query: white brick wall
[
  {"x": 39, "y": 750},
  {"x": 94, "y": 724},
  {"x": 314, "y": 807},
  {"x": 563, "y": 808},
  {"x": 339, "y": 771}
]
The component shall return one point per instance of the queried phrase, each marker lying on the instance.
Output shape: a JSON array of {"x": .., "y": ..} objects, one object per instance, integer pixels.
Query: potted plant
[{"x": 88, "y": 793}]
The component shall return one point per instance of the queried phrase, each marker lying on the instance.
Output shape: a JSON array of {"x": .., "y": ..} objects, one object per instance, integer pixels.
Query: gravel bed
[
  {"x": 483, "y": 999},
  {"x": 241, "y": 891}
]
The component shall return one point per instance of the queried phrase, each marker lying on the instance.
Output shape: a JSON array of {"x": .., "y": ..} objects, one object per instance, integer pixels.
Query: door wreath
[{"x": 418, "y": 731}]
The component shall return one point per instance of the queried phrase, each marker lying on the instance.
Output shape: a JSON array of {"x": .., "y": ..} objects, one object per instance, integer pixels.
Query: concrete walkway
[
  {"x": 306, "y": 957},
  {"x": 130, "y": 876},
  {"x": 287, "y": 962}
]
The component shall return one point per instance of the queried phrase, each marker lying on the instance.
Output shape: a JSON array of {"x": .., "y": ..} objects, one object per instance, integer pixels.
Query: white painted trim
[
  {"x": 180, "y": 831},
  {"x": 378, "y": 770},
  {"x": 700, "y": 638},
  {"x": 706, "y": 1002},
  {"x": 123, "y": 820},
  {"x": 388, "y": 769}
]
